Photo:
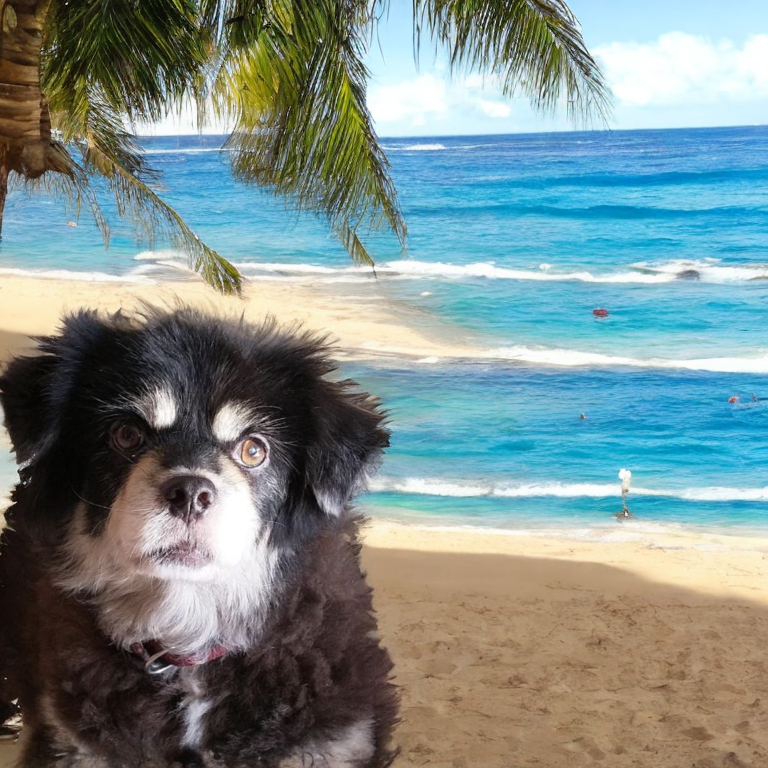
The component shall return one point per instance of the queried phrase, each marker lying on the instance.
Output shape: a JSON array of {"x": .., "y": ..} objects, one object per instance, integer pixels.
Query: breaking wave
[
  {"x": 425, "y": 147},
  {"x": 419, "y": 486},
  {"x": 705, "y": 270},
  {"x": 575, "y": 358},
  {"x": 642, "y": 272}
]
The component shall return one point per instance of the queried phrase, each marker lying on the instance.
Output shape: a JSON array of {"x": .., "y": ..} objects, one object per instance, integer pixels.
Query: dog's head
[{"x": 174, "y": 443}]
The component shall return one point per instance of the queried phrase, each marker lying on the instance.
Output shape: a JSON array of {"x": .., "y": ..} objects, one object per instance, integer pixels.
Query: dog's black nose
[{"x": 188, "y": 496}]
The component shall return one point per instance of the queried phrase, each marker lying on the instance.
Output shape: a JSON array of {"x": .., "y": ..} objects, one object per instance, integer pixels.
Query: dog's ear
[
  {"x": 23, "y": 394},
  {"x": 35, "y": 389},
  {"x": 350, "y": 438}
]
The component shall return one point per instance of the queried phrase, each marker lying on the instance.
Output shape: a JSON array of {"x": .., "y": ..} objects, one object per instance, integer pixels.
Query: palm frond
[
  {"x": 296, "y": 87},
  {"x": 290, "y": 76},
  {"x": 109, "y": 151},
  {"x": 132, "y": 193},
  {"x": 138, "y": 55},
  {"x": 136, "y": 200},
  {"x": 72, "y": 186},
  {"x": 107, "y": 61},
  {"x": 534, "y": 46},
  {"x": 354, "y": 246}
]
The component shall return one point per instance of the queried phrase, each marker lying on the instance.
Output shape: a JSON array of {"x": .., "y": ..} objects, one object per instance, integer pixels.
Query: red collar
[{"x": 157, "y": 660}]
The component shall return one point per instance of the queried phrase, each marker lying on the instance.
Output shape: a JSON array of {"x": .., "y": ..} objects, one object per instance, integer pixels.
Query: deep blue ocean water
[{"x": 514, "y": 240}]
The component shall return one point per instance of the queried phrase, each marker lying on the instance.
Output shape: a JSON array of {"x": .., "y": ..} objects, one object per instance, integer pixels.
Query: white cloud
[
  {"x": 683, "y": 69},
  {"x": 494, "y": 108},
  {"x": 427, "y": 98},
  {"x": 411, "y": 102},
  {"x": 182, "y": 122}
]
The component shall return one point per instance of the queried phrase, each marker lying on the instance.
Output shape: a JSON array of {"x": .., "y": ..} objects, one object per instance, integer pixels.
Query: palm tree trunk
[
  {"x": 3, "y": 194},
  {"x": 26, "y": 146}
]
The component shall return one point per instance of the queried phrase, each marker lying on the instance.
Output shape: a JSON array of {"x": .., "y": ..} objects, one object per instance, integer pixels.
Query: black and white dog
[{"x": 179, "y": 576}]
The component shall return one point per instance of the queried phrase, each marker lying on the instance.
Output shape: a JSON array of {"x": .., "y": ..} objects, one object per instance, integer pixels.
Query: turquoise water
[{"x": 514, "y": 240}]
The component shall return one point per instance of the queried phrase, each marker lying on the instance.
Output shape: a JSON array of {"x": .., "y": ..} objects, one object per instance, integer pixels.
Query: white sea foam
[
  {"x": 303, "y": 273},
  {"x": 426, "y": 147},
  {"x": 64, "y": 274},
  {"x": 185, "y": 151},
  {"x": 169, "y": 263},
  {"x": 430, "y": 487},
  {"x": 162, "y": 254},
  {"x": 490, "y": 271},
  {"x": 421, "y": 486},
  {"x": 571, "y": 358},
  {"x": 716, "y": 493},
  {"x": 166, "y": 263},
  {"x": 300, "y": 269},
  {"x": 439, "y": 487},
  {"x": 709, "y": 270},
  {"x": 433, "y": 146},
  {"x": 413, "y": 269}
]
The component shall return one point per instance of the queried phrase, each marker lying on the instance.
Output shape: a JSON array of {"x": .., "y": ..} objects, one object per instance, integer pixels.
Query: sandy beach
[
  {"x": 511, "y": 650},
  {"x": 362, "y": 324}
]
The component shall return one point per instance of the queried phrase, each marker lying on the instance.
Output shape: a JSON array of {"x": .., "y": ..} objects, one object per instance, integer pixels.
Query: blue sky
[{"x": 669, "y": 63}]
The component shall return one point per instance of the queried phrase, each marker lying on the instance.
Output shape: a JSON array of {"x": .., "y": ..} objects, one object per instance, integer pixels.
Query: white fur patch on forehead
[
  {"x": 158, "y": 407},
  {"x": 230, "y": 421}
]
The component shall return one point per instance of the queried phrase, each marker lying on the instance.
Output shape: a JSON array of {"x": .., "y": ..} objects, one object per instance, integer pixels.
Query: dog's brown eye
[
  {"x": 252, "y": 452},
  {"x": 127, "y": 437}
]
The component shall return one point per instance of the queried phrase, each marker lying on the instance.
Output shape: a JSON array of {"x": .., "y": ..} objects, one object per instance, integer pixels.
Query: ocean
[{"x": 514, "y": 241}]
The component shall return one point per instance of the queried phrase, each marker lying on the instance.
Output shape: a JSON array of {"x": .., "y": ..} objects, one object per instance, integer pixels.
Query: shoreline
[
  {"x": 673, "y": 535},
  {"x": 332, "y": 304},
  {"x": 358, "y": 326}
]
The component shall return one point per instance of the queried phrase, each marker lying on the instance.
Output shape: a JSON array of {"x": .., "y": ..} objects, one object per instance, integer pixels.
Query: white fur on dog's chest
[
  {"x": 194, "y": 706},
  {"x": 348, "y": 747}
]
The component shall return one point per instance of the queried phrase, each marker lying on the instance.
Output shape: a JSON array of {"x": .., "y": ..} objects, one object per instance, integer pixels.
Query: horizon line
[{"x": 485, "y": 135}]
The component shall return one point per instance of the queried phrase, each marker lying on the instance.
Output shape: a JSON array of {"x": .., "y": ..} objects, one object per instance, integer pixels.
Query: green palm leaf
[
  {"x": 114, "y": 58},
  {"x": 137, "y": 56},
  {"x": 294, "y": 82},
  {"x": 289, "y": 75},
  {"x": 533, "y": 46}
]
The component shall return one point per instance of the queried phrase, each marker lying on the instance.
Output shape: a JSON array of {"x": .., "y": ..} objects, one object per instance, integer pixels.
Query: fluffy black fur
[{"x": 315, "y": 665}]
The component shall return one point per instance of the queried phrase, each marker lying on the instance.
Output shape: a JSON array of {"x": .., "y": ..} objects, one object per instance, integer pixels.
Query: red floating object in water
[
  {"x": 600, "y": 312},
  {"x": 733, "y": 399}
]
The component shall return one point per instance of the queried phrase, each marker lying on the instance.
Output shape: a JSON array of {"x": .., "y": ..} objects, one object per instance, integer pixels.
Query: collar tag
[{"x": 157, "y": 660}]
